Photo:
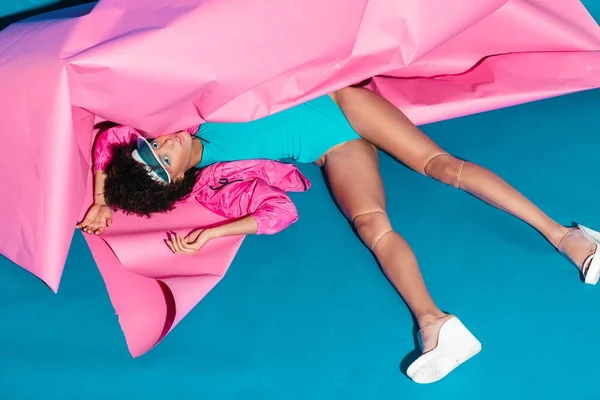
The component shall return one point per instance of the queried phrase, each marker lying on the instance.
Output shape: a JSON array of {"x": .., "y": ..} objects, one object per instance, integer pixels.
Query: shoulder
[{"x": 117, "y": 134}]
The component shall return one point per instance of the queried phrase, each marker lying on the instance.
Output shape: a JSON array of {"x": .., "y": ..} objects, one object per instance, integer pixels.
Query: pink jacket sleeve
[
  {"x": 105, "y": 141},
  {"x": 271, "y": 207}
]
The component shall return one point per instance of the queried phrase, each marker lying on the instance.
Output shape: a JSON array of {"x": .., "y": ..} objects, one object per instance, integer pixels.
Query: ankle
[
  {"x": 578, "y": 248},
  {"x": 428, "y": 319},
  {"x": 556, "y": 235}
]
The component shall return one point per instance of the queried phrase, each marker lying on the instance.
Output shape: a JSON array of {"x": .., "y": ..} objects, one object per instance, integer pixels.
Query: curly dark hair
[{"x": 129, "y": 188}]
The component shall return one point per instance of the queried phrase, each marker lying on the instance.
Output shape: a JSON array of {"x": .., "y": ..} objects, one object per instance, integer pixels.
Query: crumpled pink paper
[{"x": 161, "y": 66}]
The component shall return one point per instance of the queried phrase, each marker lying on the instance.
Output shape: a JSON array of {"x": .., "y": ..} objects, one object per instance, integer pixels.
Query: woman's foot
[
  {"x": 579, "y": 248},
  {"x": 446, "y": 344},
  {"x": 430, "y": 330}
]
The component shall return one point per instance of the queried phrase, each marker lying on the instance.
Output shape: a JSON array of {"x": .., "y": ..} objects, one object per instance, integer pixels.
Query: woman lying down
[{"x": 340, "y": 133}]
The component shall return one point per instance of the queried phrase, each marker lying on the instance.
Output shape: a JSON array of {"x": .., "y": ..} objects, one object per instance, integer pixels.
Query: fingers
[
  {"x": 89, "y": 227},
  {"x": 96, "y": 220},
  {"x": 94, "y": 226},
  {"x": 173, "y": 244},
  {"x": 84, "y": 226},
  {"x": 179, "y": 245},
  {"x": 185, "y": 247},
  {"x": 83, "y": 223}
]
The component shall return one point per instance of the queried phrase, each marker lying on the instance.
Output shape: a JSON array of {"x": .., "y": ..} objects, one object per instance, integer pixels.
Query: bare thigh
[
  {"x": 380, "y": 122},
  {"x": 352, "y": 170}
]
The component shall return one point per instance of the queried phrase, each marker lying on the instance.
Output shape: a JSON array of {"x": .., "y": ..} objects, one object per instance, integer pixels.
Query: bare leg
[
  {"x": 384, "y": 125},
  {"x": 353, "y": 173}
]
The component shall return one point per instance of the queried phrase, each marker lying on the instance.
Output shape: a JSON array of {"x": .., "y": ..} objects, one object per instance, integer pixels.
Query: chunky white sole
[{"x": 455, "y": 346}]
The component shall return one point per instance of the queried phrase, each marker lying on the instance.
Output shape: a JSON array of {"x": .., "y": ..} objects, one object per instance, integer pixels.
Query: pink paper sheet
[{"x": 160, "y": 66}]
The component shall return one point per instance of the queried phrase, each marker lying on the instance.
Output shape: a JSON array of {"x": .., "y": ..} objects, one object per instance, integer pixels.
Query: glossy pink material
[{"x": 162, "y": 66}]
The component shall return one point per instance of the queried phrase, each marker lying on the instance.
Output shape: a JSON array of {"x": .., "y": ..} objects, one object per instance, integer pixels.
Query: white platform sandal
[
  {"x": 592, "y": 273},
  {"x": 455, "y": 345}
]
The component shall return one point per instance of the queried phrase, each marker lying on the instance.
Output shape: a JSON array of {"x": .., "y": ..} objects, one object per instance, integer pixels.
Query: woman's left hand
[{"x": 191, "y": 244}]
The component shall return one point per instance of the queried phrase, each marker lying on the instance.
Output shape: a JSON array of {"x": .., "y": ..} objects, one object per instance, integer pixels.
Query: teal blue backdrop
[{"x": 307, "y": 314}]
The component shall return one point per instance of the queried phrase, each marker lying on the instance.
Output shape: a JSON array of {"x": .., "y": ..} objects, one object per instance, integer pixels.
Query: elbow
[{"x": 275, "y": 222}]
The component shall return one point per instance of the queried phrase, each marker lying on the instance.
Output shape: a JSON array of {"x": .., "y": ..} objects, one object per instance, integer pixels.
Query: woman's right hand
[{"x": 97, "y": 218}]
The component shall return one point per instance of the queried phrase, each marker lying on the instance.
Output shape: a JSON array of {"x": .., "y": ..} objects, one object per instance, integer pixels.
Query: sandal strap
[{"x": 585, "y": 266}]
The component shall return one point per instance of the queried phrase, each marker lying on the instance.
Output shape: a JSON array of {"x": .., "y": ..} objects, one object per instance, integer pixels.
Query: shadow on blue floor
[{"x": 307, "y": 314}]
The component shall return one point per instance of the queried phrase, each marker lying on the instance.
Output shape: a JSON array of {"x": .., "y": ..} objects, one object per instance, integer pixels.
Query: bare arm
[
  {"x": 99, "y": 216},
  {"x": 242, "y": 226},
  {"x": 99, "y": 178},
  {"x": 192, "y": 243}
]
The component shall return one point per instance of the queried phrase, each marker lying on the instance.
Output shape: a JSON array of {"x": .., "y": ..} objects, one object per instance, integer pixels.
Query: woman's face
[{"x": 175, "y": 152}]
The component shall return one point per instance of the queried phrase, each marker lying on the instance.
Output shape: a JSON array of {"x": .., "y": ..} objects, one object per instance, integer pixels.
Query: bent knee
[
  {"x": 372, "y": 226},
  {"x": 445, "y": 168}
]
